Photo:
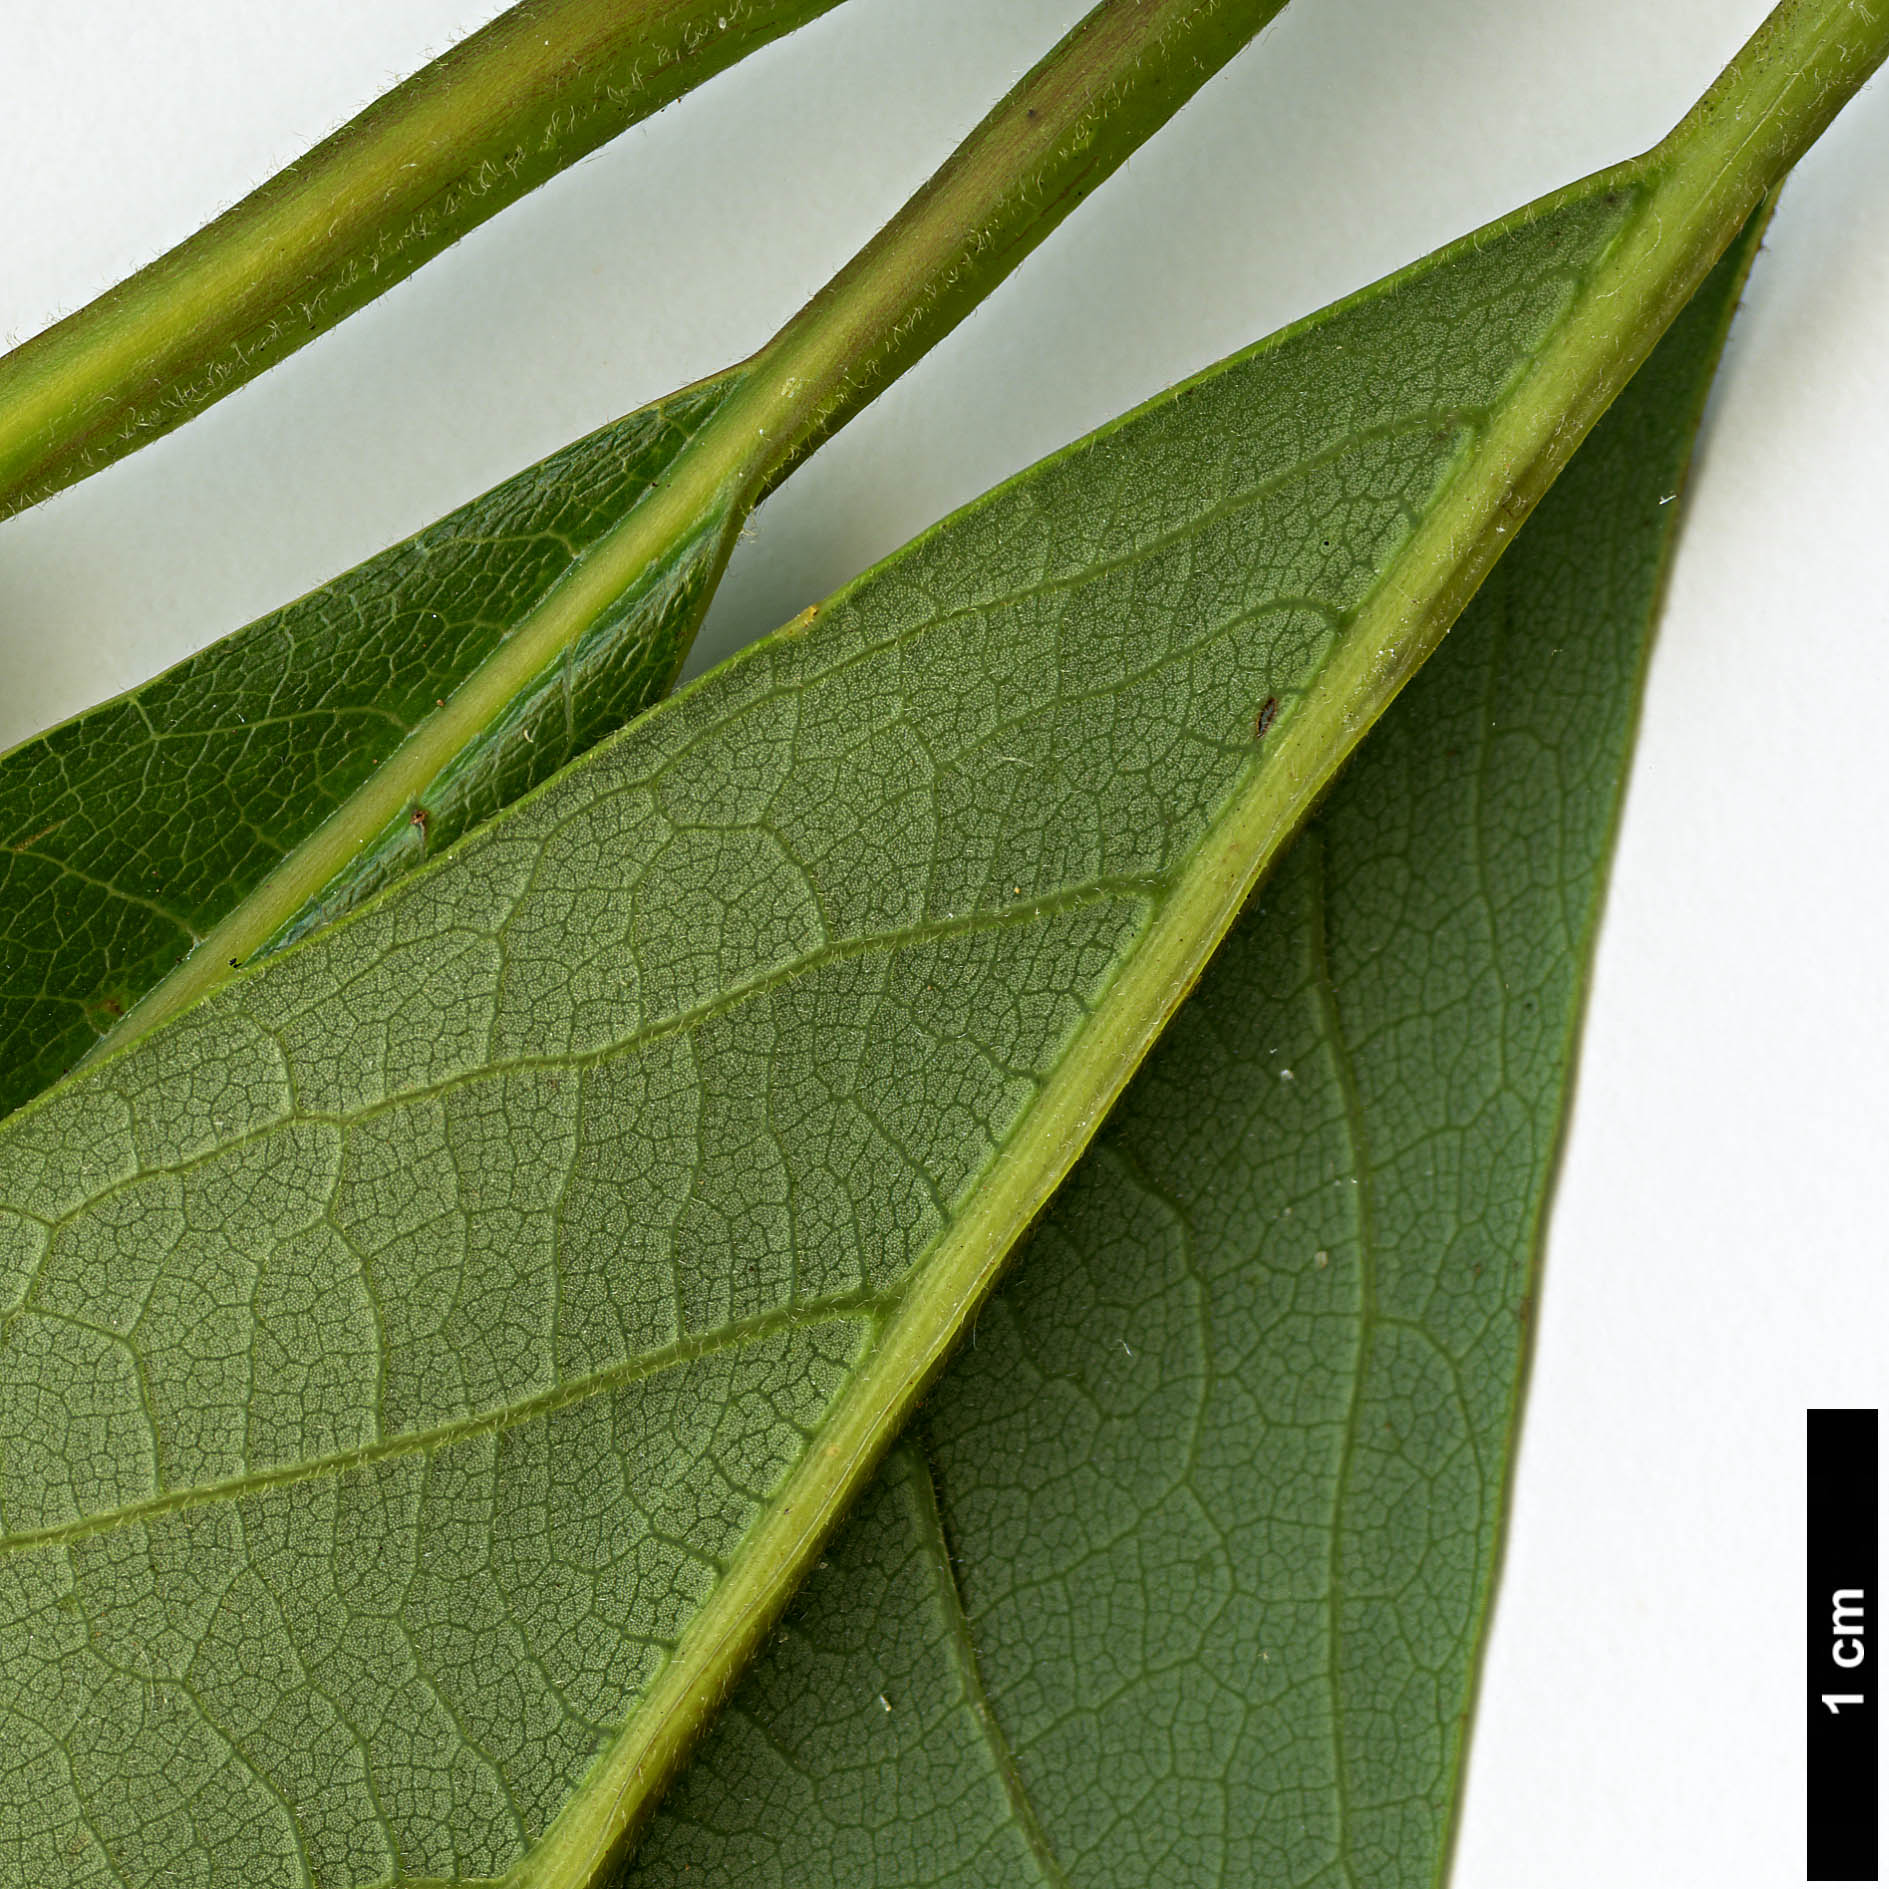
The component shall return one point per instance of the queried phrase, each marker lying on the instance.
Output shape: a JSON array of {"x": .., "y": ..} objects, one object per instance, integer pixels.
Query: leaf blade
[
  {"x": 1088, "y": 1623},
  {"x": 592, "y": 642},
  {"x": 672, "y": 984},
  {"x": 134, "y": 828},
  {"x": 869, "y": 969}
]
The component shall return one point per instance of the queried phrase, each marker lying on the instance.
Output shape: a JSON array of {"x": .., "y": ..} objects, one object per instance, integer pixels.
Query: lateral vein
[
  {"x": 937, "y": 1545},
  {"x": 862, "y": 1305}
]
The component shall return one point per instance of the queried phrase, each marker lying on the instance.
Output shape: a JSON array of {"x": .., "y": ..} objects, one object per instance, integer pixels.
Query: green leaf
[
  {"x": 268, "y": 785},
  {"x": 504, "y": 111},
  {"x": 134, "y": 829},
  {"x": 1182, "y": 1573},
  {"x": 430, "y": 1362}
]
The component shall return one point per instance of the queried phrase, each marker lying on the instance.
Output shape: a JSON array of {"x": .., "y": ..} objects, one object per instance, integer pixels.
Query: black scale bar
[{"x": 1841, "y": 1647}]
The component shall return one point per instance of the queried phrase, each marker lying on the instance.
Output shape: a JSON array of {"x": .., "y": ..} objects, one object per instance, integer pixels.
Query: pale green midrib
[
  {"x": 390, "y": 791},
  {"x": 862, "y": 1305},
  {"x": 935, "y": 1545},
  {"x": 1325, "y": 1001},
  {"x": 204, "y": 960},
  {"x": 784, "y": 397},
  {"x": 1099, "y": 891},
  {"x": 1277, "y": 602},
  {"x": 432, "y": 541},
  {"x": 1143, "y": 992},
  {"x": 664, "y": 525},
  {"x": 1582, "y": 363}
]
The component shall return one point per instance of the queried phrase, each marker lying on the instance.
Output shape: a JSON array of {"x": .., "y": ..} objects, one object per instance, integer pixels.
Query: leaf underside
[
  {"x": 1182, "y": 1571},
  {"x": 399, "y": 1348},
  {"x": 133, "y": 828}
]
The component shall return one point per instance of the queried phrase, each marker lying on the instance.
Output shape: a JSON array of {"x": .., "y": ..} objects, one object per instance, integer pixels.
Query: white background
[{"x": 1717, "y": 1261}]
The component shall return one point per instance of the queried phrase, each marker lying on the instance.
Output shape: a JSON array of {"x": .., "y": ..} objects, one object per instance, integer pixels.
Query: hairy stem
[
  {"x": 1072, "y": 120},
  {"x": 502, "y": 112},
  {"x": 1695, "y": 191}
]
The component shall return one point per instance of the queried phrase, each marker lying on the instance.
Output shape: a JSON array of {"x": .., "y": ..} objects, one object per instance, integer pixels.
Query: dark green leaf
[
  {"x": 269, "y": 785},
  {"x": 429, "y": 1363},
  {"x": 130, "y": 831},
  {"x": 425, "y": 1320},
  {"x": 1182, "y": 1576}
]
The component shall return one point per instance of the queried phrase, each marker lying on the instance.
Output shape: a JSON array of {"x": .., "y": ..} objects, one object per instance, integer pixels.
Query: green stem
[
  {"x": 1694, "y": 193},
  {"x": 1696, "y": 189},
  {"x": 1116, "y": 79},
  {"x": 503, "y": 111},
  {"x": 1123, "y": 72}
]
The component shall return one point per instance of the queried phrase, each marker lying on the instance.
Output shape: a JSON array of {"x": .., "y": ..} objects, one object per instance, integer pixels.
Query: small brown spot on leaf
[{"x": 1268, "y": 714}]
